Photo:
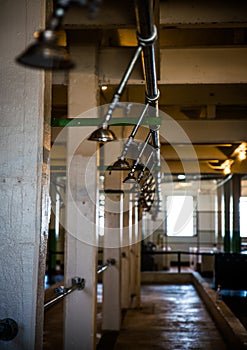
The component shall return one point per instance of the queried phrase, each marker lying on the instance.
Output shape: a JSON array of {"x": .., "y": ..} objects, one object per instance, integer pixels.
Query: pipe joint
[
  {"x": 150, "y": 99},
  {"x": 147, "y": 41},
  {"x": 154, "y": 128}
]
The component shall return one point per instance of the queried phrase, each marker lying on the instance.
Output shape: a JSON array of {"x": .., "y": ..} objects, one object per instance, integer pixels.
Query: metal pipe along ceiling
[{"x": 146, "y": 34}]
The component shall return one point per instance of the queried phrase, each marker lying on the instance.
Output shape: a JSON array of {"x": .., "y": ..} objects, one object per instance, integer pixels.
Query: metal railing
[
  {"x": 179, "y": 253},
  {"x": 103, "y": 267},
  {"x": 78, "y": 283}
]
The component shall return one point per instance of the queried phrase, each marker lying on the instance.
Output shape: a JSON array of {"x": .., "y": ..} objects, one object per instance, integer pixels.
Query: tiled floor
[{"x": 172, "y": 317}]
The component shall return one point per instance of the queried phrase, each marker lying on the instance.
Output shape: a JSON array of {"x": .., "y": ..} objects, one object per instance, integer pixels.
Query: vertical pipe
[
  {"x": 179, "y": 261},
  {"x": 227, "y": 236},
  {"x": 146, "y": 34},
  {"x": 236, "y": 193},
  {"x": 198, "y": 238},
  {"x": 219, "y": 217},
  {"x": 145, "y": 31}
]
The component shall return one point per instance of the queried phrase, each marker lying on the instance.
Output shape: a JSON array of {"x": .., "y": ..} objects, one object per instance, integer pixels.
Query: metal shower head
[
  {"x": 102, "y": 135},
  {"x": 45, "y": 53}
]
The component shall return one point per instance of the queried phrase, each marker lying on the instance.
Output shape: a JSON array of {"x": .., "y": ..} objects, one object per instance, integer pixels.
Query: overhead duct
[{"x": 146, "y": 33}]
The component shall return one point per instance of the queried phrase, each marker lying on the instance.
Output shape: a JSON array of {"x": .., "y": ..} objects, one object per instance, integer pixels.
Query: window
[
  {"x": 180, "y": 216},
  {"x": 243, "y": 216}
]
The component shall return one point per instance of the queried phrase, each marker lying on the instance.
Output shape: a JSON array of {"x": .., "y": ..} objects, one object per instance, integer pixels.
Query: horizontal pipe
[
  {"x": 78, "y": 283},
  {"x": 104, "y": 266},
  {"x": 178, "y": 252}
]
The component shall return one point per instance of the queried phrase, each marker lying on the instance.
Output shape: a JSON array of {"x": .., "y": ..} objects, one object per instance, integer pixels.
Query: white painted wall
[
  {"x": 206, "y": 221},
  {"x": 21, "y": 153},
  {"x": 81, "y": 192}
]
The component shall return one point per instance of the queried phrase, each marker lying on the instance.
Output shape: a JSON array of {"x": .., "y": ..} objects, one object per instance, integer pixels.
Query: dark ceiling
[{"x": 181, "y": 26}]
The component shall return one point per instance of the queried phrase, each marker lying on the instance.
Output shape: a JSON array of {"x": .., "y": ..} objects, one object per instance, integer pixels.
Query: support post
[
  {"x": 138, "y": 237},
  {"x": 111, "y": 307},
  {"x": 81, "y": 236},
  {"x": 133, "y": 252},
  {"x": 125, "y": 262},
  {"x": 220, "y": 198},
  {"x": 227, "y": 214},
  {"x": 236, "y": 193},
  {"x": 24, "y": 178}
]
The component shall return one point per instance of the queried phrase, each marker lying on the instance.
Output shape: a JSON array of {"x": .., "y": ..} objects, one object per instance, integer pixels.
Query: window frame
[{"x": 194, "y": 217}]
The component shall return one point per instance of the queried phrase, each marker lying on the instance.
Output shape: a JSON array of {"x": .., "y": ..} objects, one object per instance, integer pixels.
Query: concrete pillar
[
  {"x": 81, "y": 235},
  {"x": 218, "y": 215},
  {"x": 227, "y": 216},
  {"x": 111, "y": 307},
  {"x": 135, "y": 258},
  {"x": 125, "y": 262},
  {"x": 133, "y": 253},
  {"x": 24, "y": 177},
  {"x": 236, "y": 193},
  {"x": 138, "y": 233}
]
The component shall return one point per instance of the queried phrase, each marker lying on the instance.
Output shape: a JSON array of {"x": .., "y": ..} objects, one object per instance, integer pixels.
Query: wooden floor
[{"x": 171, "y": 317}]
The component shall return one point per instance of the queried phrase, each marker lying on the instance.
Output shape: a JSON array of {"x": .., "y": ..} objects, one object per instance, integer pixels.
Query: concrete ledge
[
  {"x": 166, "y": 277},
  {"x": 231, "y": 328},
  {"x": 229, "y": 325}
]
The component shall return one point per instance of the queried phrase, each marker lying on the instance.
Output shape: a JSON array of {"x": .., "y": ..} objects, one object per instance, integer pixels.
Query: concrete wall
[{"x": 21, "y": 156}]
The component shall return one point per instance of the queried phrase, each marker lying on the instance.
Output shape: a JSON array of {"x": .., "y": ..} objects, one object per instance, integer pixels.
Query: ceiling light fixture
[
  {"x": 242, "y": 154},
  {"x": 241, "y": 151},
  {"x": 226, "y": 166}
]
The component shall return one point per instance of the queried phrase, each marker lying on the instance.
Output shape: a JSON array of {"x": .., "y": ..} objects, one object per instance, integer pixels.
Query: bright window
[
  {"x": 243, "y": 216},
  {"x": 180, "y": 218}
]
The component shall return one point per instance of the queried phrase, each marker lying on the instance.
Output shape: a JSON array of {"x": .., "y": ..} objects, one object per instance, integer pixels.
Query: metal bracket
[
  {"x": 79, "y": 282},
  {"x": 111, "y": 261}
]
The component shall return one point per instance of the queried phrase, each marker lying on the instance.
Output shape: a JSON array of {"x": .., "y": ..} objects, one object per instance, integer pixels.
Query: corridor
[
  {"x": 123, "y": 175},
  {"x": 172, "y": 317}
]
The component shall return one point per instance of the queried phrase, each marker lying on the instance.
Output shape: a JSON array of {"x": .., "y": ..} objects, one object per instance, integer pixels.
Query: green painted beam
[
  {"x": 116, "y": 191},
  {"x": 97, "y": 121},
  {"x": 108, "y": 168}
]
